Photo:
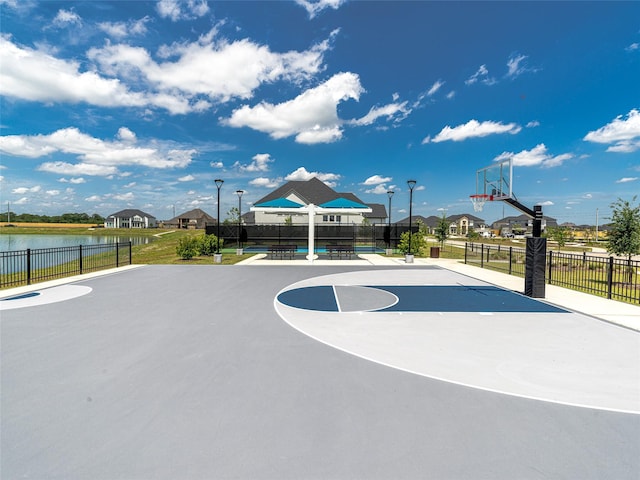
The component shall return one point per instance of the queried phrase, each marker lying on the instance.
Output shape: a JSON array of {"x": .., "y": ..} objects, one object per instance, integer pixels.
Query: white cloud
[
  {"x": 377, "y": 190},
  {"x": 216, "y": 164},
  {"x": 124, "y": 196},
  {"x": 65, "y": 168},
  {"x": 21, "y": 201},
  {"x": 96, "y": 156},
  {"x": 260, "y": 163},
  {"x": 217, "y": 69},
  {"x": 312, "y": 116},
  {"x": 471, "y": 129},
  {"x": 76, "y": 181},
  {"x": 264, "y": 182},
  {"x": 126, "y": 135},
  {"x": 547, "y": 203},
  {"x": 66, "y": 17},
  {"x": 516, "y": 66},
  {"x": 532, "y": 124},
  {"x": 623, "y": 132},
  {"x": 93, "y": 198},
  {"x": 397, "y": 111},
  {"x": 627, "y": 180},
  {"x": 315, "y": 7},
  {"x": 182, "y": 9},
  {"x": 53, "y": 193},
  {"x": 303, "y": 175},
  {"x": 633, "y": 47},
  {"x": 537, "y": 156},
  {"x": 23, "y": 190},
  {"x": 377, "y": 179},
  {"x": 121, "y": 30},
  {"x": 187, "y": 178},
  {"x": 435, "y": 87},
  {"x": 22, "y": 77},
  {"x": 482, "y": 76}
]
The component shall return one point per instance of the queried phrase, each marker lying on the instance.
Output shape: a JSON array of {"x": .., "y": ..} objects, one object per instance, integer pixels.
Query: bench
[
  {"x": 282, "y": 250},
  {"x": 340, "y": 250}
]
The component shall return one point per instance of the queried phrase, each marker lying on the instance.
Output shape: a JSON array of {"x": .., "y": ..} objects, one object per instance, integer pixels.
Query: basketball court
[{"x": 311, "y": 372}]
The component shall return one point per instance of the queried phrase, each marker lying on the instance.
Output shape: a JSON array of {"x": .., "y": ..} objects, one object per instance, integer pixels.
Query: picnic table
[
  {"x": 340, "y": 250},
  {"x": 282, "y": 251}
]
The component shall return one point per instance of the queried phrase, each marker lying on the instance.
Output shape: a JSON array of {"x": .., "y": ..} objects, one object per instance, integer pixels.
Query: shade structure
[{"x": 339, "y": 206}]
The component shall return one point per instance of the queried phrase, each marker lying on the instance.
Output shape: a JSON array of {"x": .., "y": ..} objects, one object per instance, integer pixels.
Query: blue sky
[{"x": 113, "y": 105}]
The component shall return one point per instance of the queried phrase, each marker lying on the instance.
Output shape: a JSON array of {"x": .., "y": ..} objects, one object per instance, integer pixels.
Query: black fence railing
[
  {"x": 612, "y": 277},
  {"x": 24, "y": 267},
  {"x": 376, "y": 236}
]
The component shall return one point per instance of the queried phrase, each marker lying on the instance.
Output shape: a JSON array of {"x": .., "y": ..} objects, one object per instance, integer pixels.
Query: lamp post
[
  {"x": 239, "y": 247},
  {"x": 411, "y": 184},
  {"x": 218, "y": 183},
  {"x": 389, "y": 194}
]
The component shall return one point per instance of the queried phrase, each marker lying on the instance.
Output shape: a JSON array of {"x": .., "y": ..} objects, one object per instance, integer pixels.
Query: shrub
[
  {"x": 187, "y": 247},
  {"x": 418, "y": 243},
  {"x": 207, "y": 244}
]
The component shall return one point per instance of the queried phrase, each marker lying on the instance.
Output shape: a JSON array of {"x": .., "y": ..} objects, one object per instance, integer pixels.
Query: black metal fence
[
  {"x": 611, "y": 277},
  {"x": 24, "y": 267},
  {"x": 376, "y": 236}
]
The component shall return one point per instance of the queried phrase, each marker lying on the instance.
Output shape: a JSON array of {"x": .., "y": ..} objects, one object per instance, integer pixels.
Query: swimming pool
[{"x": 357, "y": 249}]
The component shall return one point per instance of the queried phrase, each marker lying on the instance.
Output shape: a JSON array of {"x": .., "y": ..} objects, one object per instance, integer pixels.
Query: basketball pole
[{"x": 536, "y": 253}]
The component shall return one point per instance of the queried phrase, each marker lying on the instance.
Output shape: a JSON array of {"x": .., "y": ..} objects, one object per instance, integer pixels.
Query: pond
[{"x": 12, "y": 242}]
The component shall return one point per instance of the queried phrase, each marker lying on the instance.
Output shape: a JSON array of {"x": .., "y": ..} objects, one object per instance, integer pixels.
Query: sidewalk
[{"x": 620, "y": 313}]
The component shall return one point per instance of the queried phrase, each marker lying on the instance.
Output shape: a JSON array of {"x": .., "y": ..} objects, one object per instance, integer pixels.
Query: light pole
[
  {"x": 390, "y": 194},
  {"x": 218, "y": 183},
  {"x": 411, "y": 184},
  {"x": 239, "y": 193}
]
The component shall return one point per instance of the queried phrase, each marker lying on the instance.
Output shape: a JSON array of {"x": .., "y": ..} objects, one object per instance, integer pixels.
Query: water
[{"x": 12, "y": 242}]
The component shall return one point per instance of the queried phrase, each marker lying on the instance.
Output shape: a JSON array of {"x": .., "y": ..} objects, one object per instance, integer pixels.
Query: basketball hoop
[{"x": 479, "y": 201}]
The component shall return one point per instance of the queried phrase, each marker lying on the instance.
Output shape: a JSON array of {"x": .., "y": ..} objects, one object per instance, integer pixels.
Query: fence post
[
  {"x": 28, "y": 266},
  {"x": 466, "y": 245},
  {"x": 117, "y": 254},
  {"x": 80, "y": 258},
  {"x": 610, "y": 278},
  {"x": 550, "y": 265},
  {"x": 482, "y": 255},
  {"x": 510, "y": 260},
  {"x": 130, "y": 262}
]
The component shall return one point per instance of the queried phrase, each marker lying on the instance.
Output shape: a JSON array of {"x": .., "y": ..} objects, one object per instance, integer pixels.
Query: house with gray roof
[
  {"x": 521, "y": 224},
  {"x": 298, "y": 193},
  {"x": 460, "y": 224},
  {"x": 130, "y": 218},
  {"x": 193, "y": 219}
]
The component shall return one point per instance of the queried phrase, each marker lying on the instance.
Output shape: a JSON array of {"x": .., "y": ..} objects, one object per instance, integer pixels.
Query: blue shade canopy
[
  {"x": 343, "y": 203},
  {"x": 280, "y": 203}
]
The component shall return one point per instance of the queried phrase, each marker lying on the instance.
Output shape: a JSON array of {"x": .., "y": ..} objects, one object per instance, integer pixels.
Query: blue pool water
[{"x": 301, "y": 250}]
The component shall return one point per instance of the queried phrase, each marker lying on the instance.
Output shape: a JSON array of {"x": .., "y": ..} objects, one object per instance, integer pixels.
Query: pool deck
[{"x": 201, "y": 372}]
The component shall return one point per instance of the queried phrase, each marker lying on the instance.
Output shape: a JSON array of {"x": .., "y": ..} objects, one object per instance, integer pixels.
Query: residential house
[
  {"x": 521, "y": 225},
  {"x": 193, "y": 219},
  {"x": 297, "y": 193},
  {"x": 458, "y": 224},
  {"x": 130, "y": 218}
]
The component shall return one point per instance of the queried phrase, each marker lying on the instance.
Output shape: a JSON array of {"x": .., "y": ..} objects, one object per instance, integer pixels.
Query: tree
[
  {"x": 561, "y": 235},
  {"x": 418, "y": 243},
  {"x": 442, "y": 230},
  {"x": 624, "y": 234},
  {"x": 232, "y": 216}
]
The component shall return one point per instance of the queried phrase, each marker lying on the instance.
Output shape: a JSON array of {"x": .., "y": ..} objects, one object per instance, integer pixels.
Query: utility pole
[{"x": 596, "y": 225}]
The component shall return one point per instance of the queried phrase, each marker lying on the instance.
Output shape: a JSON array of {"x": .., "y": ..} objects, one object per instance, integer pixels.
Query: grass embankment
[{"x": 162, "y": 250}]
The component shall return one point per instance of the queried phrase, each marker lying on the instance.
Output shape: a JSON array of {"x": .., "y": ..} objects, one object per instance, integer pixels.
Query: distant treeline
[{"x": 64, "y": 218}]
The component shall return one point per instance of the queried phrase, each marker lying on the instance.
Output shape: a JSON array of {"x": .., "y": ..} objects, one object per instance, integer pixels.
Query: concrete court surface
[{"x": 190, "y": 373}]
